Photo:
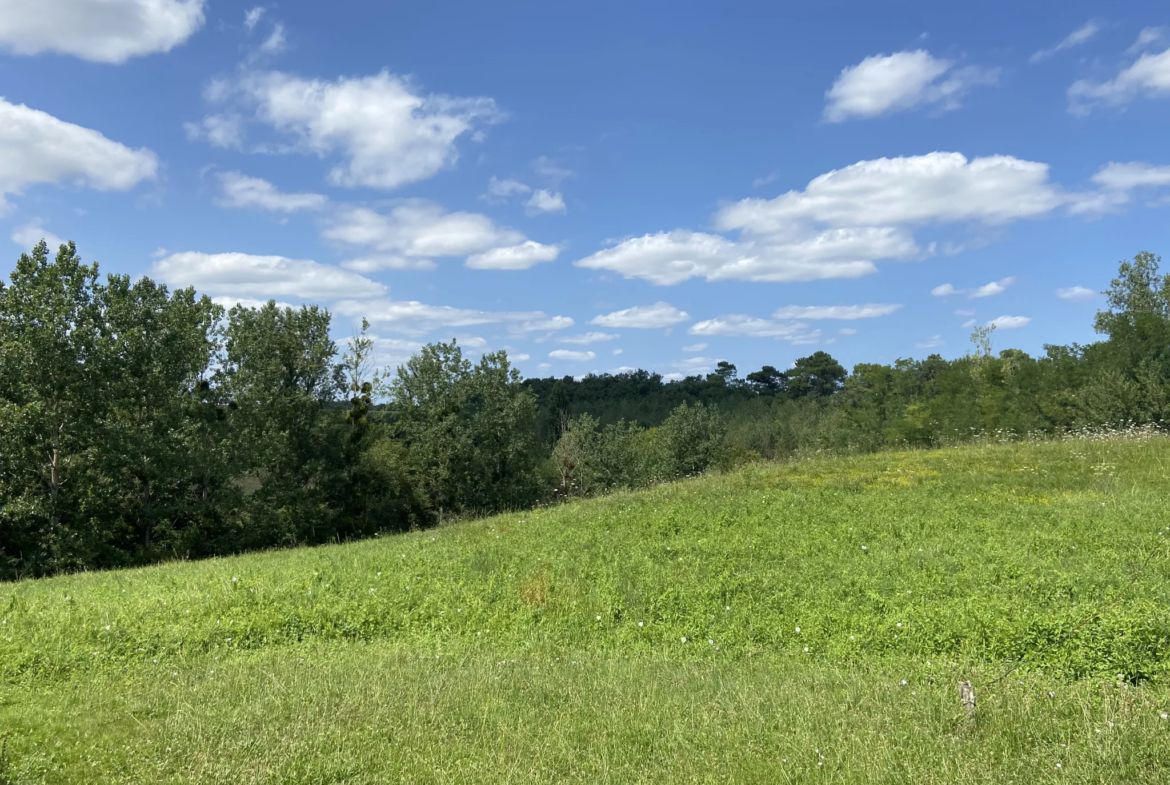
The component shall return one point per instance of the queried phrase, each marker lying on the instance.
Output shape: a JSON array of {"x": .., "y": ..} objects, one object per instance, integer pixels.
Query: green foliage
[{"x": 468, "y": 430}]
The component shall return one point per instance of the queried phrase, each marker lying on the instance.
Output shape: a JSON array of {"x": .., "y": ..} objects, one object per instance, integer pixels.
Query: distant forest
[{"x": 139, "y": 424}]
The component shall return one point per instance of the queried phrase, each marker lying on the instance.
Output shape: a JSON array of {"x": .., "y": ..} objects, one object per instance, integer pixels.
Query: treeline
[{"x": 139, "y": 424}]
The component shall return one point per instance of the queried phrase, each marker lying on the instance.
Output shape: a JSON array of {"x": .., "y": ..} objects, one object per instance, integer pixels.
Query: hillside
[{"x": 756, "y": 626}]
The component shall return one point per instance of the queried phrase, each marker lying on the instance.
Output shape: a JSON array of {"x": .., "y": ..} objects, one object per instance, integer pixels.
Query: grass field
[{"x": 786, "y": 623}]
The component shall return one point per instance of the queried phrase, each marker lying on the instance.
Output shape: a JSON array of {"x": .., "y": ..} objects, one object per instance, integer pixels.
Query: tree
[
  {"x": 469, "y": 432},
  {"x": 817, "y": 375},
  {"x": 54, "y": 390},
  {"x": 767, "y": 380}
]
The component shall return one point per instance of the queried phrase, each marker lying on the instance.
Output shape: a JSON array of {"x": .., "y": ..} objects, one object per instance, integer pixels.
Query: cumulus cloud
[
  {"x": 415, "y": 231},
  {"x": 1076, "y": 293},
  {"x": 993, "y": 288},
  {"x": 1127, "y": 176},
  {"x": 588, "y": 338},
  {"x": 246, "y": 275},
  {"x": 1009, "y": 322},
  {"x": 1149, "y": 76},
  {"x": 275, "y": 42},
  {"x": 867, "y": 311},
  {"x": 931, "y": 342},
  {"x": 37, "y": 148},
  {"x": 691, "y": 365},
  {"x": 904, "y": 80},
  {"x": 218, "y": 130},
  {"x": 668, "y": 258},
  {"x": 695, "y": 347},
  {"x": 568, "y": 354},
  {"x": 519, "y": 358},
  {"x": 847, "y": 331},
  {"x": 502, "y": 189},
  {"x": 544, "y": 201},
  {"x": 414, "y": 318},
  {"x": 742, "y": 325},
  {"x": 376, "y": 262},
  {"x": 31, "y": 233},
  {"x": 229, "y": 303},
  {"x": 515, "y": 257},
  {"x": 842, "y": 221},
  {"x": 965, "y": 312},
  {"x": 240, "y": 190},
  {"x": 110, "y": 31},
  {"x": 1077, "y": 37},
  {"x": 387, "y": 132},
  {"x": 658, "y": 315},
  {"x": 987, "y": 290}
]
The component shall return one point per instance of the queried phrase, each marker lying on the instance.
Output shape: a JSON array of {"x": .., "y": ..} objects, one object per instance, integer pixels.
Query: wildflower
[
  {"x": 371, "y": 591},
  {"x": 639, "y": 624},
  {"x": 710, "y": 641},
  {"x": 1058, "y": 765},
  {"x": 806, "y": 648},
  {"x": 1165, "y": 716},
  {"x": 864, "y": 548},
  {"x": 899, "y": 624},
  {"x": 684, "y": 639},
  {"x": 1051, "y": 694},
  {"x": 798, "y": 629},
  {"x": 852, "y": 638},
  {"x": 820, "y": 763},
  {"x": 599, "y": 618},
  {"x": 107, "y": 626},
  {"x": 234, "y": 579},
  {"x": 904, "y": 682},
  {"x": 727, "y": 608}
]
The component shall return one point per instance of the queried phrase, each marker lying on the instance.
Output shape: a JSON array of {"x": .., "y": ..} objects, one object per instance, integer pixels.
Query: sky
[{"x": 600, "y": 186}]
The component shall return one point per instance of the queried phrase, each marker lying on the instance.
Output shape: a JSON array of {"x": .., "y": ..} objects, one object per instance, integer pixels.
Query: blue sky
[{"x": 597, "y": 186}]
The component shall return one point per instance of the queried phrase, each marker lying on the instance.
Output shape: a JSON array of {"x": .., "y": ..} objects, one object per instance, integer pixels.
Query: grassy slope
[{"x": 476, "y": 653}]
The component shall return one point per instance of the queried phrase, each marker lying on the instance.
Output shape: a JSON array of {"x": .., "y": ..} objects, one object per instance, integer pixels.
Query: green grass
[{"x": 510, "y": 649}]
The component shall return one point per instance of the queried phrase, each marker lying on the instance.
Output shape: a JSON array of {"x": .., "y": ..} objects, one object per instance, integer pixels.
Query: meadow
[{"x": 798, "y": 622}]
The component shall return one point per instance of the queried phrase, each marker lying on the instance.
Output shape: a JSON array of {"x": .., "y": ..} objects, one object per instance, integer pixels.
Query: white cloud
[
  {"x": 1075, "y": 38},
  {"x": 245, "y": 275},
  {"x": 544, "y": 201},
  {"x": 415, "y": 318},
  {"x": 239, "y": 190},
  {"x": 247, "y": 302},
  {"x": 31, "y": 233},
  {"x": 903, "y": 80},
  {"x": 1146, "y": 37},
  {"x": 504, "y": 188},
  {"x": 616, "y": 352},
  {"x": 1076, "y": 293},
  {"x": 669, "y": 258},
  {"x": 105, "y": 31},
  {"x": 1009, "y": 322},
  {"x": 764, "y": 180},
  {"x": 36, "y": 147},
  {"x": 515, "y": 257},
  {"x": 547, "y": 167},
  {"x": 388, "y": 133},
  {"x": 1135, "y": 174},
  {"x": 377, "y": 262},
  {"x": 567, "y": 354},
  {"x": 218, "y": 130},
  {"x": 275, "y": 42},
  {"x": 695, "y": 347},
  {"x": 252, "y": 17},
  {"x": 965, "y": 312},
  {"x": 931, "y": 342},
  {"x": 934, "y": 188},
  {"x": 993, "y": 288},
  {"x": 968, "y": 323},
  {"x": 418, "y": 229},
  {"x": 691, "y": 365},
  {"x": 847, "y": 331},
  {"x": 1149, "y": 76},
  {"x": 519, "y": 358},
  {"x": 588, "y": 338},
  {"x": 654, "y": 316},
  {"x": 867, "y": 311},
  {"x": 742, "y": 325},
  {"x": 987, "y": 290}
]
